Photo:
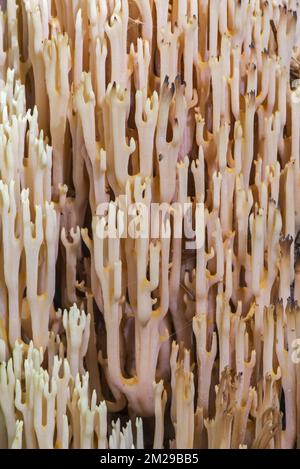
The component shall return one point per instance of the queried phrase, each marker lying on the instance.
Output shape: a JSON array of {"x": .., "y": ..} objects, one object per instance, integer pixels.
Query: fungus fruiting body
[{"x": 149, "y": 220}]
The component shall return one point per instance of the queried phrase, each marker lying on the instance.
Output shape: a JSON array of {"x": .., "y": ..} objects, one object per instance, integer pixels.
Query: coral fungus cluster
[{"x": 149, "y": 211}]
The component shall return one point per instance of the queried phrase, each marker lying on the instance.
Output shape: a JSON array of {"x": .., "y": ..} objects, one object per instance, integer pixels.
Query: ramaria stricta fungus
[{"x": 149, "y": 220}]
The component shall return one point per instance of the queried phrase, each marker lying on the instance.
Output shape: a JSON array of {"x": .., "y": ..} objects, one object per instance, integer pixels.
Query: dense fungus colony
[{"x": 149, "y": 211}]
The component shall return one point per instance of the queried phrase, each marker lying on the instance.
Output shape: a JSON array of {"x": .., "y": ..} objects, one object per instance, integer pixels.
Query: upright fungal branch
[
  {"x": 149, "y": 224},
  {"x": 57, "y": 60}
]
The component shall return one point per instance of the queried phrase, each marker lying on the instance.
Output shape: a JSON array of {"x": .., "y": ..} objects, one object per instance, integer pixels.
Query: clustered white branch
[{"x": 190, "y": 330}]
